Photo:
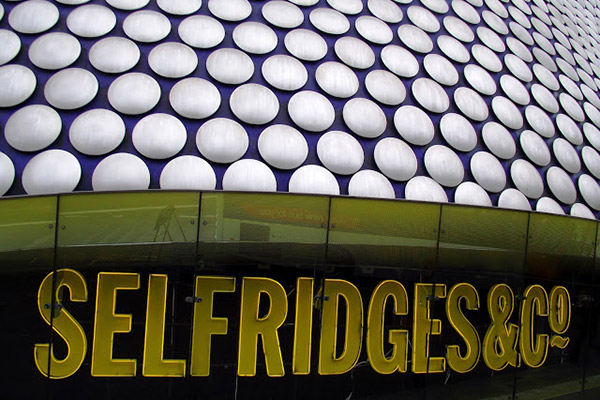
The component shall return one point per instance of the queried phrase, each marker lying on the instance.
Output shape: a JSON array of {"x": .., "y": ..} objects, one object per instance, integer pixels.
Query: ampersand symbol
[{"x": 500, "y": 341}]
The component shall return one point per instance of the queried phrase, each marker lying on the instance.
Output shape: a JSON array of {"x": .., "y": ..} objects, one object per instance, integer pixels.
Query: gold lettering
[
  {"x": 424, "y": 326},
  {"x": 303, "y": 326},
  {"x": 205, "y": 325},
  {"x": 500, "y": 341},
  {"x": 534, "y": 349},
  {"x": 62, "y": 323},
  {"x": 107, "y": 323},
  {"x": 329, "y": 363},
  {"x": 560, "y": 316},
  {"x": 398, "y": 338},
  {"x": 252, "y": 326},
  {"x": 456, "y": 318},
  {"x": 154, "y": 340}
]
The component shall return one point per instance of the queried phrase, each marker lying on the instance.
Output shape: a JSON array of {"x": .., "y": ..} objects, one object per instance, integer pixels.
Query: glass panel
[
  {"x": 560, "y": 247},
  {"x": 243, "y": 228},
  {"x": 22, "y": 329},
  {"x": 399, "y": 234},
  {"x": 482, "y": 239},
  {"x": 27, "y": 232},
  {"x": 562, "y": 369},
  {"x": 128, "y": 228}
]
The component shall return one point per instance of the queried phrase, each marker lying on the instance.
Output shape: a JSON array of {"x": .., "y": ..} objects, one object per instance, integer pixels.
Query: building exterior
[{"x": 324, "y": 198}]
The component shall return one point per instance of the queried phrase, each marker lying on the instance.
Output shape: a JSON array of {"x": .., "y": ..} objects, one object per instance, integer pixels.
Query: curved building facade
[{"x": 314, "y": 188}]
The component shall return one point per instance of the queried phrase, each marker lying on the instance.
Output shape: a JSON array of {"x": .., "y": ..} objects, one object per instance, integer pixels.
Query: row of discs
[{"x": 485, "y": 103}]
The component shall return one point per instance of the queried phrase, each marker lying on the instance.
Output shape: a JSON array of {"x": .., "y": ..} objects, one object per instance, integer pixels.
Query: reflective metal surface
[
  {"x": 179, "y": 7},
  {"x": 249, "y": 176},
  {"x": 480, "y": 79},
  {"x": 32, "y": 128},
  {"x": 444, "y": 165},
  {"x": 513, "y": 199},
  {"x": 97, "y": 132},
  {"x": 17, "y": 83},
  {"x": 195, "y": 98},
  {"x": 146, "y": 26},
  {"x": 491, "y": 39},
  {"x": 400, "y": 61},
  {"x": 486, "y": 58},
  {"x": 539, "y": 121},
  {"x": 566, "y": 155},
  {"x": 423, "y": 18},
  {"x": 230, "y": 66},
  {"x": 313, "y": 179},
  {"x": 222, "y": 140},
  {"x": 284, "y": 72},
  {"x": 201, "y": 31},
  {"x": 385, "y": 87},
  {"x": 91, "y": 20},
  {"x": 515, "y": 90},
  {"x": 569, "y": 129},
  {"x": 590, "y": 191},
  {"x": 311, "y": 111},
  {"x": 471, "y": 104},
  {"x": 507, "y": 112},
  {"x": 337, "y": 79},
  {"x": 591, "y": 159},
  {"x": 544, "y": 98},
  {"x": 55, "y": 50},
  {"x": 354, "y": 52},
  {"x": 282, "y": 14},
  {"x": 114, "y": 55},
  {"x": 561, "y": 185},
  {"x": 459, "y": 29},
  {"x": 255, "y": 38},
  {"x": 71, "y": 88},
  {"x": 488, "y": 172},
  {"x": 458, "y": 132},
  {"x": 329, "y": 21},
  {"x": 340, "y": 153},
  {"x": 395, "y": 159},
  {"x": 230, "y": 10},
  {"x": 535, "y": 148},
  {"x": 498, "y": 140},
  {"x": 413, "y": 125},
  {"x": 364, "y": 117},
  {"x": 527, "y": 179},
  {"x": 33, "y": 16},
  {"x": 188, "y": 173},
  {"x": 453, "y": 49},
  {"x": 350, "y": 7},
  {"x": 121, "y": 171},
  {"x": 51, "y": 171},
  {"x": 430, "y": 95},
  {"x": 471, "y": 194},
  {"x": 254, "y": 104},
  {"x": 423, "y": 188},
  {"x": 415, "y": 38},
  {"x": 548, "y": 205},
  {"x": 518, "y": 67},
  {"x": 385, "y": 10},
  {"x": 440, "y": 69},
  {"x": 172, "y": 60},
  {"x": 159, "y": 136},
  {"x": 7, "y": 173},
  {"x": 374, "y": 30},
  {"x": 134, "y": 93},
  {"x": 369, "y": 183},
  {"x": 282, "y": 146},
  {"x": 305, "y": 45},
  {"x": 11, "y": 45}
]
